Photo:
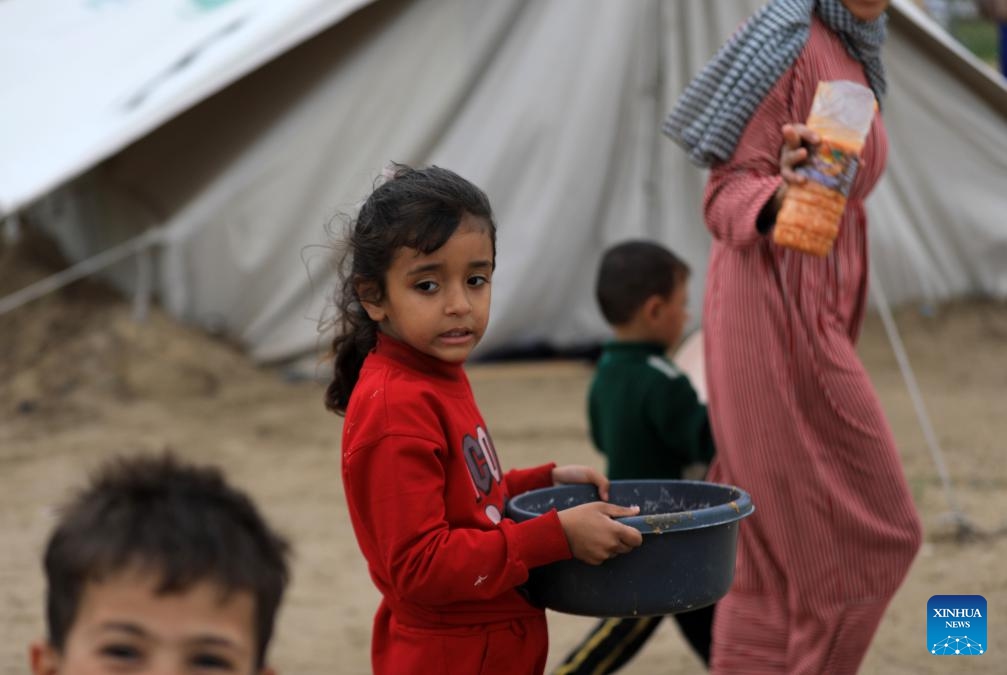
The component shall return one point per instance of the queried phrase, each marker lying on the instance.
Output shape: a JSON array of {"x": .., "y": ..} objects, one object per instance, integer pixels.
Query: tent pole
[
  {"x": 84, "y": 268},
  {"x": 12, "y": 229},
  {"x": 963, "y": 528},
  {"x": 144, "y": 285}
]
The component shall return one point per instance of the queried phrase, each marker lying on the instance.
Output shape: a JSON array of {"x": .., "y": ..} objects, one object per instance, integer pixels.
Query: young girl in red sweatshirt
[{"x": 424, "y": 484}]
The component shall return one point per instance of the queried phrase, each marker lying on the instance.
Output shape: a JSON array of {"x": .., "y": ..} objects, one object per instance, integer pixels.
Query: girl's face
[
  {"x": 866, "y": 10},
  {"x": 439, "y": 303}
]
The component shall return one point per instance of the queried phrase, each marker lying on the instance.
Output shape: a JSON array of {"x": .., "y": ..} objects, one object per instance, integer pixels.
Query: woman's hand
[
  {"x": 572, "y": 474},
  {"x": 794, "y": 152},
  {"x": 797, "y": 138},
  {"x": 594, "y": 536}
]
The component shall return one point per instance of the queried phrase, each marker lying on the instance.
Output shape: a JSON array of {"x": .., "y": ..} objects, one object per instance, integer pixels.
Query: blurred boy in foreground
[{"x": 159, "y": 566}]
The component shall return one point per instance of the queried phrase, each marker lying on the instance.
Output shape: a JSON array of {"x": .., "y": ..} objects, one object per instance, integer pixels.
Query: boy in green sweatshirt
[{"x": 645, "y": 417}]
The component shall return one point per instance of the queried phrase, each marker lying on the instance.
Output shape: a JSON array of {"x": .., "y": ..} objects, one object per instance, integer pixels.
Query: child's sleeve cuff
[
  {"x": 522, "y": 480},
  {"x": 538, "y": 541}
]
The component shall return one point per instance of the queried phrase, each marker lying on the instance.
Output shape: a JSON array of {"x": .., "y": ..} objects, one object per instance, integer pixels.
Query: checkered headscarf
[{"x": 711, "y": 114}]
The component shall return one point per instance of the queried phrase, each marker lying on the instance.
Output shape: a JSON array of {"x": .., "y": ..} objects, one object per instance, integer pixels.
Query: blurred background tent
[{"x": 233, "y": 133}]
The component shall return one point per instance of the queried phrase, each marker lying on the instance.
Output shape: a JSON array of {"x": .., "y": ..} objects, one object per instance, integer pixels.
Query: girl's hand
[
  {"x": 592, "y": 534},
  {"x": 572, "y": 474}
]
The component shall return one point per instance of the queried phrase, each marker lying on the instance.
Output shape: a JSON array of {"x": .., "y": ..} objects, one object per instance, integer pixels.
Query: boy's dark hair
[
  {"x": 633, "y": 271},
  {"x": 417, "y": 208},
  {"x": 182, "y": 522}
]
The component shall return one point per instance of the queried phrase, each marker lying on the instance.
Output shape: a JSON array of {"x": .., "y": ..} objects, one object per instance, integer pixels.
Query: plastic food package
[{"x": 841, "y": 114}]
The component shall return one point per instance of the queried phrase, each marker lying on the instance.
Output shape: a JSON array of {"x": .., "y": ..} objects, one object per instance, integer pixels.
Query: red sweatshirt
[{"x": 426, "y": 496}]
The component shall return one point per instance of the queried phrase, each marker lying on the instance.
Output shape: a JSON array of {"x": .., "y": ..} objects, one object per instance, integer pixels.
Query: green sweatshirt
[{"x": 645, "y": 416}]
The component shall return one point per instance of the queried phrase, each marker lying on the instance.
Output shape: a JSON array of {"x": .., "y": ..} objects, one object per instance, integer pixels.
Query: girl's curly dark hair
[{"x": 415, "y": 208}]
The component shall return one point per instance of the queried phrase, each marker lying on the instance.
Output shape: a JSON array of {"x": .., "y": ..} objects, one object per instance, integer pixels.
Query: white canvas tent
[{"x": 552, "y": 106}]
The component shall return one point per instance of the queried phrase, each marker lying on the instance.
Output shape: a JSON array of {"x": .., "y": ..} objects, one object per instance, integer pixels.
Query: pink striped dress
[{"x": 796, "y": 420}]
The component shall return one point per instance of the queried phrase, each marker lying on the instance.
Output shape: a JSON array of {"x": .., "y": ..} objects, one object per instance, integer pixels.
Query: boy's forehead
[{"x": 204, "y": 608}]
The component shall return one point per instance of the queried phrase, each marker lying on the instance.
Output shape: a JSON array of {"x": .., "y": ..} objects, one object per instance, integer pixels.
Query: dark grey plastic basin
[{"x": 690, "y": 534}]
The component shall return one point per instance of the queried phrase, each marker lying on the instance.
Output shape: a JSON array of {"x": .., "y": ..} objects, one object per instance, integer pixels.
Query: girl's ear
[
  {"x": 367, "y": 291},
  {"x": 376, "y": 312}
]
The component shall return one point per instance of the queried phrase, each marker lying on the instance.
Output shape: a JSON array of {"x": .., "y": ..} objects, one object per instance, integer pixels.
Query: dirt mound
[{"x": 73, "y": 352}]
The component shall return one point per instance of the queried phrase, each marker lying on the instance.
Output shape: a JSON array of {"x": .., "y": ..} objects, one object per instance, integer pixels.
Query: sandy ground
[{"x": 80, "y": 381}]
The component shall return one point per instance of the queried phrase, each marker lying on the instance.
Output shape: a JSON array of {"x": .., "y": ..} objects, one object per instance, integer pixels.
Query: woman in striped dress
[{"x": 796, "y": 420}]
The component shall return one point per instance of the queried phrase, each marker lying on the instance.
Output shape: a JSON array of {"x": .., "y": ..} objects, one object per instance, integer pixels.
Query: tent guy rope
[{"x": 964, "y": 528}]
